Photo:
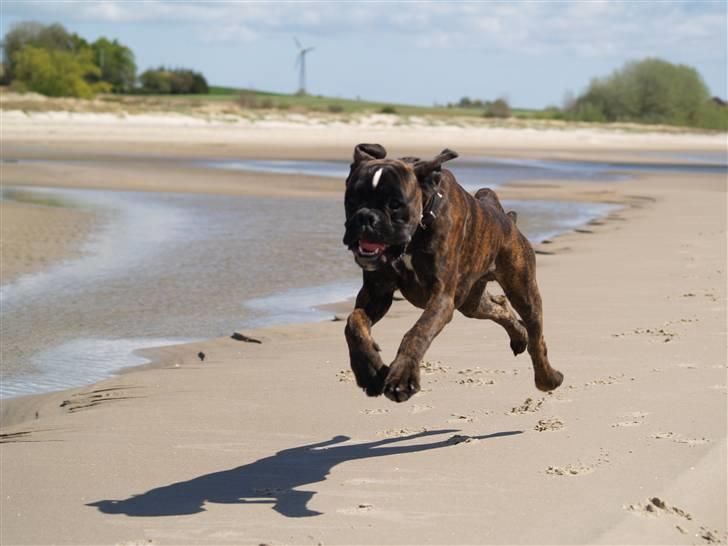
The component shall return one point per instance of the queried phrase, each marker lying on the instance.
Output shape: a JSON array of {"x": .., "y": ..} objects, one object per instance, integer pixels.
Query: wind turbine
[{"x": 301, "y": 63}]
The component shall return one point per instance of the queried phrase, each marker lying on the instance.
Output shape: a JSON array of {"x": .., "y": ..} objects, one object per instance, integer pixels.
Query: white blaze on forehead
[{"x": 376, "y": 177}]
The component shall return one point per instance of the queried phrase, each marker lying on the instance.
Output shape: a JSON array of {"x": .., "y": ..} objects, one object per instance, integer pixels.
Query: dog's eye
[{"x": 394, "y": 205}]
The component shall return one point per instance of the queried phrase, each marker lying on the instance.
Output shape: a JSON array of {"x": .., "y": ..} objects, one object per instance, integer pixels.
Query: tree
[
  {"x": 57, "y": 73},
  {"x": 648, "y": 91},
  {"x": 32, "y": 33},
  {"x": 116, "y": 62},
  {"x": 164, "y": 81},
  {"x": 155, "y": 82}
]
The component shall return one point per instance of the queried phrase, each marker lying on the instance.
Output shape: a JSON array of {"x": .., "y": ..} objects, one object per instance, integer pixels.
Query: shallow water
[
  {"x": 475, "y": 172},
  {"x": 169, "y": 268},
  {"x": 166, "y": 268},
  {"x": 472, "y": 174}
]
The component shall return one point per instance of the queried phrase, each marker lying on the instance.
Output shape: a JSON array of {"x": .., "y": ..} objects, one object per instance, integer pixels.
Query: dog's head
[{"x": 384, "y": 201}]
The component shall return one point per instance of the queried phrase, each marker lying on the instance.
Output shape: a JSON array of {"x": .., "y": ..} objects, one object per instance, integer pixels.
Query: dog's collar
[{"x": 429, "y": 213}]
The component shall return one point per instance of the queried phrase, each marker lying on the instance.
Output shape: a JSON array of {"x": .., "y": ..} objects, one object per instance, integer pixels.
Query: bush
[
  {"x": 246, "y": 99},
  {"x": 499, "y": 108},
  {"x": 58, "y": 73},
  {"x": 388, "y": 110},
  {"x": 648, "y": 91},
  {"x": 178, "y": 81}
]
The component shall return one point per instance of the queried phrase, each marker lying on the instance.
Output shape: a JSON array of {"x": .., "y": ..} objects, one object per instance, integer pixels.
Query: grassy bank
[{"x": 231, "y": 105}]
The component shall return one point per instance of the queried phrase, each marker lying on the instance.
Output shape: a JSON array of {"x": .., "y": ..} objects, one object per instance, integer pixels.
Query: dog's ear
[
  {"x": 425, "y": 168},
  {"x": 367, "y": 152}
]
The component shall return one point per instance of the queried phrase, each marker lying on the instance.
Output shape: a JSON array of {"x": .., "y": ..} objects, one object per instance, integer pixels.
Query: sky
[{"x": 531, "y": 53}]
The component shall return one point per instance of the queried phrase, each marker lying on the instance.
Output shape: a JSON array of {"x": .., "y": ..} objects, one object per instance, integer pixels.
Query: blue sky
[{"x": 532, "y": 53}]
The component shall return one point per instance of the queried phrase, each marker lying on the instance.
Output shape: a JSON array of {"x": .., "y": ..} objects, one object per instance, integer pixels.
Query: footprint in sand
[
  {"x": 579, "y": 468},
  {"x": 475, "y": 381},
  {"x": 461, "y": 439},
  {"x": 429, "y": 367},
  {"x": 609, "y": 380},
  {"x": 657, "y": 507},
  {"x": 705, "y": 293},
  {"x": 374, "y": 411},
  {"x": 677, "y": 438},
  {"x": 711, "y": 536},
  {"x": 459, "y": 418},
  {"x": 358, "y": 510},
  {"x": 420, "y": 408},
  {"x": 512, "y": 371},
  {"x": 399, "y": 432},
  {"x": 569, "y": 470},
  {"x": 636, "y": 419},
  {"x": 549, "y": 424},
  {"x": 663, "y": 335},
  {"x": 529, "y": 406},
  {"x": 470, "y": 379},
  {"x": 346, "y": 376}
]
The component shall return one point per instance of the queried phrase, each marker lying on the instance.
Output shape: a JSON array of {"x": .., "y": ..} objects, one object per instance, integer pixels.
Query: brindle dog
[{"x": 412, "y": 227}]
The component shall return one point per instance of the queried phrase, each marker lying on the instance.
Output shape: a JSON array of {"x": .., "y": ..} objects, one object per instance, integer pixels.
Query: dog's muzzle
[{"x": 364, "y": 239}]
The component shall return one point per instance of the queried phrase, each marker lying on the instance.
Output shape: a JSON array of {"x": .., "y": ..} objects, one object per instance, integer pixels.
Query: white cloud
[{"x": 582, "y": 28}]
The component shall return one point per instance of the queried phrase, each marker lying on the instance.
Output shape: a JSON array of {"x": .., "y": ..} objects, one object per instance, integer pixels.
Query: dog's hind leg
[
  {"x": 480, "y": 304},
  {"x": 516, "y": 273}
]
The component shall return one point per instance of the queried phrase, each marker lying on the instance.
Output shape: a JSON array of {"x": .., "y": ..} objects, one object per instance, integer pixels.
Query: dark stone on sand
[{"x": 240, "y": 337}]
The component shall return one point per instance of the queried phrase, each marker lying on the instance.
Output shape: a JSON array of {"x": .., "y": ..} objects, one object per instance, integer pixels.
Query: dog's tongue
[{"x": 366, "y": 246}]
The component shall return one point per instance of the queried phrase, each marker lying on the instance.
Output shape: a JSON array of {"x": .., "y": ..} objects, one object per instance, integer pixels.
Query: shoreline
[{"x": 24, "y": 412}]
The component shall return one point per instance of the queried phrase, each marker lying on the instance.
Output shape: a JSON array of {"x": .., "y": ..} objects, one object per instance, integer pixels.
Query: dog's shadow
[{"x": 270, "y": 480}]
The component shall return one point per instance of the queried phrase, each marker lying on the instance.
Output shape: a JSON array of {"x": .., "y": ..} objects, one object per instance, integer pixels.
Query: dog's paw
[
  {"x": 402, "y": 383},
  {"x": 550, "y": 381},
  {"x": 518, "y": 346},
  {"x": 374, "y": 383}
]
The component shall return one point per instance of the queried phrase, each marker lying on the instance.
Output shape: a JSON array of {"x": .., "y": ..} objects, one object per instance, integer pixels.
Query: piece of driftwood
[{"x": 240, "y": 337}]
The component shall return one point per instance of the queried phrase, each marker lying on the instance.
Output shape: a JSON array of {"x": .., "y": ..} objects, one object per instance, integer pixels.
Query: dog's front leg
[
  {"x": 403, "y": 380},
  {"x": 372, "y": 303}
]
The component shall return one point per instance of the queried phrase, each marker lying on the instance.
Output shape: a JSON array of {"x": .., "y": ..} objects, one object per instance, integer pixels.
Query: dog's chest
[
  {"x": 412, "y": 285},
  {"x": 404, "y": 268}
]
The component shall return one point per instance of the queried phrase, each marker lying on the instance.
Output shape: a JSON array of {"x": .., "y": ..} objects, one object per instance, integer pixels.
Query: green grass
[{"x": 269, "y": 100}]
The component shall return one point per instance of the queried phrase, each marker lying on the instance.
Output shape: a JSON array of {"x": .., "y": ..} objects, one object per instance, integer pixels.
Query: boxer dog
[{"x": 412, "y": 227}]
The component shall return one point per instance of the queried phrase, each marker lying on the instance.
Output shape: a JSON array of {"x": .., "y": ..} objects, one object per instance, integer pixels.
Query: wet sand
[
  {"x": 273, "y": 443},
  {"x": 35, "y": 236}
]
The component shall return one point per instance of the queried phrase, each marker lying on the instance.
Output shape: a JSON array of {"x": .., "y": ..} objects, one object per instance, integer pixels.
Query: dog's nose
[{"x": 366, "y": 218}]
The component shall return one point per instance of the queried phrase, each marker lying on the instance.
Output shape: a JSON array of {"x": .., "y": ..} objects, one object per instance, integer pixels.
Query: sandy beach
[{"x": 273, "y": 443}]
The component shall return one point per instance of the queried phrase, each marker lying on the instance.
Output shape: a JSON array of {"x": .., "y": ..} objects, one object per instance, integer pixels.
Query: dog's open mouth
[{"x": 367, "y": 249}]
